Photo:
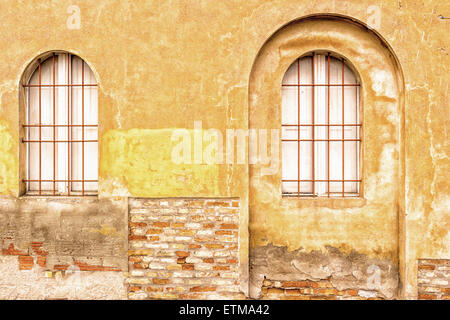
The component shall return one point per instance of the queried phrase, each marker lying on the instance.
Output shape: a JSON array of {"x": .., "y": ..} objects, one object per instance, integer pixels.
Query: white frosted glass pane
[
  {"x": 290, "y": 161},
  {"x": 289, "y": 187},
  {"x": 289, "y": 132},
  {"x": 306, "y": 160},
  {"x": 306, "y": 70},
  {"x": 83, "y": 112},
  {"x": 335, "y": 160},
  {"x": 40, "y": 111},
  {"x": 291, "y": 75},
  {"x": 289, "y": 106},
  {"x": 350, "y": 103}
]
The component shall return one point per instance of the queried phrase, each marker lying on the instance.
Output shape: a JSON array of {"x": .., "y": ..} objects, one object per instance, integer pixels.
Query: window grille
[
  {"x": 61, "y": 128},
  {"x": 321, "y": 128}
]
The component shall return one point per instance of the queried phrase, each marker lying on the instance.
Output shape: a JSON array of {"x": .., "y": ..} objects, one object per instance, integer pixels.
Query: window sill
[{"x": 324, "y": 202}]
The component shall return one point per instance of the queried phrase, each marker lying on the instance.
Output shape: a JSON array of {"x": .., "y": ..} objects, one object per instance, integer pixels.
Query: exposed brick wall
[
  {"x": 183, "y": 249},
  {"x": 312, "y": 290},
  {"x": 433, "y": 279},
  {"x": 54, "y": 234},
  {"x": 34, "y": 256}
]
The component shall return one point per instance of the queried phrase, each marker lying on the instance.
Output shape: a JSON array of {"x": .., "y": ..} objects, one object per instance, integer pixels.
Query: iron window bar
[
  {"x": 343, "y": 125},
  {"x": 54, "y": 126}
]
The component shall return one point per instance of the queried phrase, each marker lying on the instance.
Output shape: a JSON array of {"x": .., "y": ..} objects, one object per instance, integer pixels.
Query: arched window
[
  {"x": 321, "y": 128},
  {"x": 61, "y": 127}
]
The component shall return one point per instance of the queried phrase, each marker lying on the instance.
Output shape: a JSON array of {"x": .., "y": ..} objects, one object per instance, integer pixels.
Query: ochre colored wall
[
  {"x": 161, "y": 65},
  {"x": 367, "y": 225}
]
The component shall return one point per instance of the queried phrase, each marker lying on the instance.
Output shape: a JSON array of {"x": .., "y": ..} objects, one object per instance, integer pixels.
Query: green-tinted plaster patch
[{"x": 138, "y": 162}]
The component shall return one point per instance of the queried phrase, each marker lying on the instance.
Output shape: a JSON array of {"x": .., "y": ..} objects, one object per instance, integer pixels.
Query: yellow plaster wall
[
  {"x": 138, "y": 162},
  {"x": 164, "y": 64},
  {"x": 369, "y": 224}
]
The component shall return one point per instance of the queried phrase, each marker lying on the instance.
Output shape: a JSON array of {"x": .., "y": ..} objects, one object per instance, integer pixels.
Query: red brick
[
  {"x": 275, "y": 291},
  {"x": 352, "y": 292},
  {"x": 26, "y": 262},
  {"x": 87, "y": 267},
  {"x": 41, "y": 261},
  {"x": 326, "y": 291},
  {"x": 189, "y": 296},
  {"x": 323, "y": 298},
  {"x": 61, "y": 266},
  {"x": 292, "y": 292},
  {"x": 214, "y": 246},
  {"x": 185, "y": 232},
  {"x": 134, "y": 237},
  {"x": 40, "y": 252},
  {"x": 204, "y": 239},
  {"x": 202, "y": 289},
  {"x": 134, "y": 288},
  {"x": 154, "y": 289},
  {"x": 182, "y": 254},
  {"x": 110, "y": 269},
  {"x": 12, "y": 251},
  {"x": 140, "y": 265},
  {"x": 426, "y": 267},
  {"x": 321, "y": 284},
  {"x": 135, "y": 258},
  {"x": 232, "y": 261},
  {"x": 154, "y": 231},
  {"x": 194, "y": 246},
  {"x": 229, "y": 226},
  {"x": 177, "y": 225},
  {"x": 426, "y": 297},
  {"x": 187, "y": 266},
  {"x": 35, "y": 246},
  {"x": 221, "y": 268},
  {"x": 224, "y": 232},
  {"x": 299, "y": 297},
  {"x": 196, "y": 203},
  {"x": 137, "y": 224},
  {"x": 159, "y": 224},
  {"x": 208, "y": 260},
  {"x": 160, "y": 281},
  {"x": 296, "y": 284},
  {"x": 218, "y": 204}
]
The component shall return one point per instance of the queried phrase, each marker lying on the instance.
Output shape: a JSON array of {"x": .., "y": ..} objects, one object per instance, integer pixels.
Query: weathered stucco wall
[
  {"x": 161, "y": 65},
  {"x": 55, "y": 248}
]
